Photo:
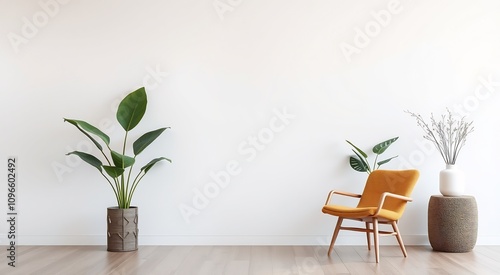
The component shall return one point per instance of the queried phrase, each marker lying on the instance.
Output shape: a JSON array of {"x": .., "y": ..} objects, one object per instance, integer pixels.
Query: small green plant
[
  {"x": 129, "y": 114},
  {"x": 360, "y": 162}
]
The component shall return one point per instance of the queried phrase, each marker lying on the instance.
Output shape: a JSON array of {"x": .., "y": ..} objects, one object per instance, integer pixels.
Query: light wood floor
[{"x": 241, "y": 260}]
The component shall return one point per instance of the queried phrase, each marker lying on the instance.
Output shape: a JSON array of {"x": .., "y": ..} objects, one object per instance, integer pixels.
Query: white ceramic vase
[{"x": 451, "y": 181}]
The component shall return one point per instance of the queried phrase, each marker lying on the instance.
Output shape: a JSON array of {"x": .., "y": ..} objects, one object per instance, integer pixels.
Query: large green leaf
[
  {"x": 357, "y": 149},
  {"x": 121, "y": 160},
  {"x": 88, "y": 158},
  {"x": 77, "y": 125},
  {"x": 152, "y": 163},
  {"x": 141, "y": 143},
  {"x": 132, "y": 109},
  {"x": 381, "y": 147},
  {"x": 385, "y": 161},
  {"x": 89, "y": 128},
  {"x": 358, "y": 164},
  {"x": 113, "y": 171}
]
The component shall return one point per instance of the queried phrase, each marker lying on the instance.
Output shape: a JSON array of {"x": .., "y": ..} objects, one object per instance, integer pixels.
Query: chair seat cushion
[{"x": 359, "y": 212}]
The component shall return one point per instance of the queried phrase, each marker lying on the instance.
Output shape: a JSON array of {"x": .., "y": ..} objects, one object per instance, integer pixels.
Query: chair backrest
[{"x": 399, "y": 182}]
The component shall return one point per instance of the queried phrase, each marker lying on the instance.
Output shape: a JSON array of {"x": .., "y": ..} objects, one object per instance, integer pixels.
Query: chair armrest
[
  {"x": 340, "y": 193},
  {"x": 388, "y": 194}
]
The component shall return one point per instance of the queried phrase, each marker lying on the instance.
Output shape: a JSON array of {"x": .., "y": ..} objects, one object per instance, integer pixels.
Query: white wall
[{"x": 222, "y": 76}]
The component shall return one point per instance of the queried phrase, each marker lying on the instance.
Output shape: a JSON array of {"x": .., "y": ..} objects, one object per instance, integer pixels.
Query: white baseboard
[{"x": 358, "y": 239}]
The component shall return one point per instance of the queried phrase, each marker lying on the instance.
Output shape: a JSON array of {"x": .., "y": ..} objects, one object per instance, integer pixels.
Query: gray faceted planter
[{"x": 122, "y": 229}]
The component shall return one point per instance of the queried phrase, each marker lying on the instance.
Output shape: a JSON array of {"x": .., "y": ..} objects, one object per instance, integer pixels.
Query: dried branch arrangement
[{"x": 448, "y": 134}]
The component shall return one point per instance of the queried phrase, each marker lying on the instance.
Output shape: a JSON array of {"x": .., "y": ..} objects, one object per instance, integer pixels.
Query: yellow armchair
[{"x": 383, "y": 201}]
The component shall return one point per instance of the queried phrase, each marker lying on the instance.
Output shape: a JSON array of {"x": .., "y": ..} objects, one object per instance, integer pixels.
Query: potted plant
[
  {"x": 359, "y": 161},
  {"x": 448, "y": 135},
  {"x": 118, "y": 167}
]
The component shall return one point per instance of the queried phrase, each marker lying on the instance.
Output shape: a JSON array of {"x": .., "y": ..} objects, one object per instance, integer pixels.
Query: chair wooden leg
[
  {"x": 398, "y": 236},
  {"x": 368, "y": 235},
  {"x": 335, "y": 234},
  {"x": 375, "y": 238}
]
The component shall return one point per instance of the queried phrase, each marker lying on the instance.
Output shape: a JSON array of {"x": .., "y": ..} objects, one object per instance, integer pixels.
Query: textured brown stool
[{"x": 452, "y": 223}]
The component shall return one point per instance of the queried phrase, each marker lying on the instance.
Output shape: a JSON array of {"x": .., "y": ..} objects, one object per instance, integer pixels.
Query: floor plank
[
  {"x": 261, "y": 262},
  {"x": 250, "y": 260},
  {"x": 171, "y": 260}
]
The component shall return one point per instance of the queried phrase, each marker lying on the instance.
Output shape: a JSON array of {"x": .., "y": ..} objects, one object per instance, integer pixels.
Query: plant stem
[
  {"x": 112, "y": 187},
  {"x": 375, "y": 163},
  {"x": 124, "y": 189},
  {"x": 135, "y": 184}
]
